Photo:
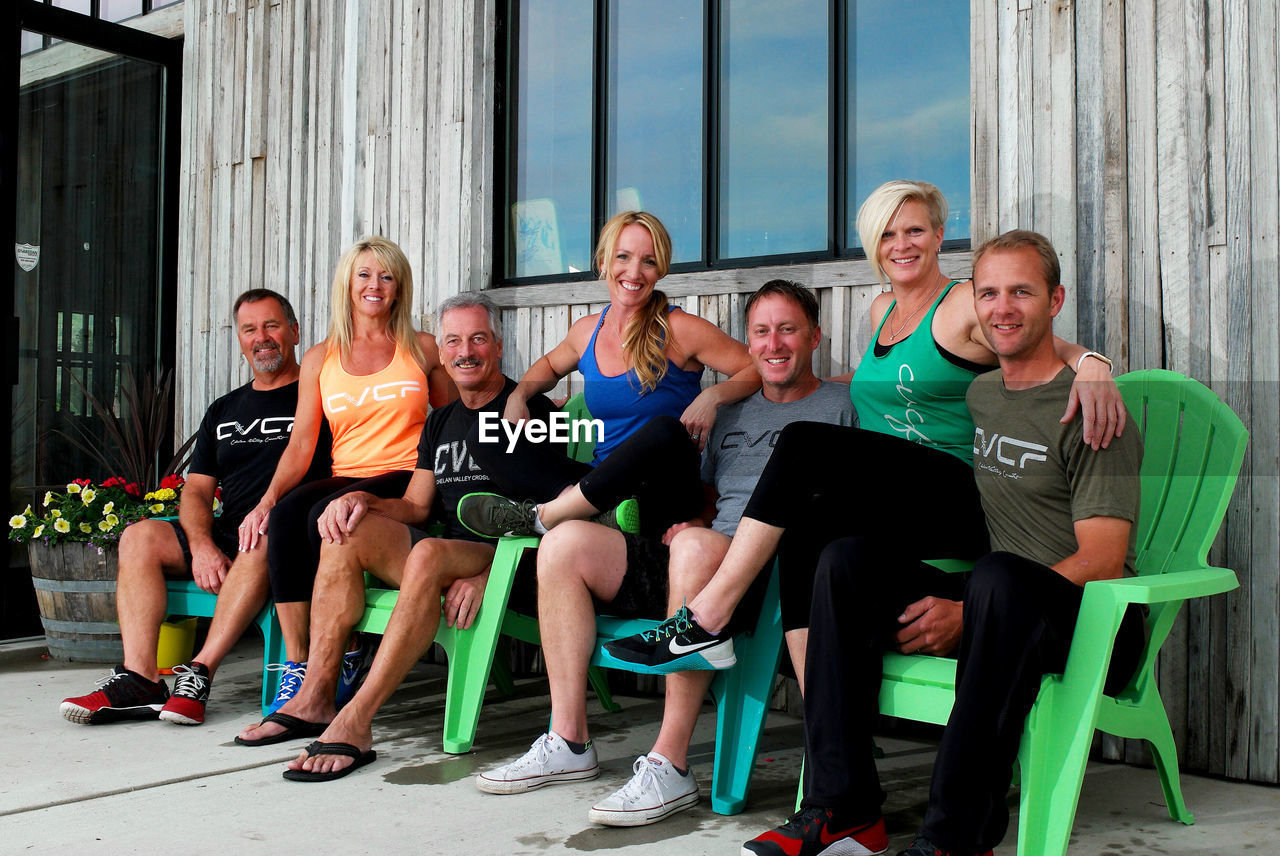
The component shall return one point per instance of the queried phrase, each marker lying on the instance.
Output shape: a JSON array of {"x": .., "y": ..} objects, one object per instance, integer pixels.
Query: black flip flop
[
  {"x": 321, "y": 748},
  {"x": 293, "y": 729}
]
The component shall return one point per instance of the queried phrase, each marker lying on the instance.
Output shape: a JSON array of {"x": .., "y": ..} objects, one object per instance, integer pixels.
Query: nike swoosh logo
[{"x": 677, "y": 648}]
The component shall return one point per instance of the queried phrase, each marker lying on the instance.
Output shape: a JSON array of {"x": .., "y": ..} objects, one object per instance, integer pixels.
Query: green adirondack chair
[{"x": 1194, "y": 446}]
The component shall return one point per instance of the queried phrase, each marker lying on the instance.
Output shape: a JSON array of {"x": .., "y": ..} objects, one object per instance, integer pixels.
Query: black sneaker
[
  {"x": 924, "y": 847},
  {"x": 121, "y": 695},
  {"x": 676, "y": 645},
  {"x": 808, "y": 832},
  {"x": 191, "y": 685},
  {"x": 492, "y": 516}
]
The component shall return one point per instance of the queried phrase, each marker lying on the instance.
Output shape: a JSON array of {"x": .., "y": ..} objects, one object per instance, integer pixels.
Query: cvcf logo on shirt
[
  {"x": 1009, "y": 451},
  {"x": 272, "y": 425},
  {"x": 340, "y": 401}
]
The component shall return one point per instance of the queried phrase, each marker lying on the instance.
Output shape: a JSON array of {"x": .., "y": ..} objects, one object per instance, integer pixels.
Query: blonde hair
[
  {"x": 884, "y": 202},
  {"x": 400, "y": 325},
  {"x": 644, "y": 341}
]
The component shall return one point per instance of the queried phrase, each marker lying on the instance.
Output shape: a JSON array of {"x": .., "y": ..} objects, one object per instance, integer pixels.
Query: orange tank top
[{"x": 376, "y": 419}]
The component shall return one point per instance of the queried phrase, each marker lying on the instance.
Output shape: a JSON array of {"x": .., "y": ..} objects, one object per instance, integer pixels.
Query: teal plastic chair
[
  {"x": 1194, "y": 446},
  {"x": 470, "y": 653},
  {"x": 187, "y": 598}
]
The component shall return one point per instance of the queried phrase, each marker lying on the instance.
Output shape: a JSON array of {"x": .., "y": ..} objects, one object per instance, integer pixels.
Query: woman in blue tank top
[{"x": 641, "y": 358}]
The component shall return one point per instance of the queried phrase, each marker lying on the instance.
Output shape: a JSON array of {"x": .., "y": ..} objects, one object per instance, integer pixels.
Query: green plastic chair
[
  {"x": 470, "y": 653},
  {"x": 1194, "y": 446}
]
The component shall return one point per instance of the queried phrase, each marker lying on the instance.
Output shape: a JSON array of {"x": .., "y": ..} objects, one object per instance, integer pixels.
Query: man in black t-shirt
[
  {"x": 240, "y": 440},
  {"x": 362, "y": 532}
]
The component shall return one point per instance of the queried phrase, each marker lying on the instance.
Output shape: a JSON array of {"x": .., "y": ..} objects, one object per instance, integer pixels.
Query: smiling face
[
  {"x": 909, "y": 246},
  {"x": 781, "y": 341},
  {"x": 469, "y": 350},
  {"x": 267, "y": 340},
  {"x": 1015, "y": 305},
  {"x": 373, "y": 288},
  {"x": 632, "y": 270}
]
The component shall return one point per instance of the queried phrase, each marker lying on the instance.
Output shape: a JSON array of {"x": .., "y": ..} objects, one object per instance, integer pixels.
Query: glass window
[
  {"x": 727, "y": 135},
  {"x": 773, "y": 127},
  {"x": 655, "y": 117},
  {"x": 551, "y": 145},
  {"x": 118, "y": 10},
  {"x": 909, "y": 102}
]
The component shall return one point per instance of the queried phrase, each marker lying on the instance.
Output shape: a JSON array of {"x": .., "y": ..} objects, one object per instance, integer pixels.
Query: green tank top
[{"x": 912, "y": 390}]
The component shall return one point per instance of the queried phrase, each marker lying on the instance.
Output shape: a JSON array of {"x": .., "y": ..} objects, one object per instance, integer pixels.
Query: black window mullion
[
  {"x": 838, "y": 129},
  {"x": 711, "y": 136},
  {"x": 504, "y": 140},
  {"x": 599, "y": 123}
]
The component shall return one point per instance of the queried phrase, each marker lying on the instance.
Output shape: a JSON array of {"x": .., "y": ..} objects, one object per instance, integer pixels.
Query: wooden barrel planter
[{"x": 75, "y": 587}]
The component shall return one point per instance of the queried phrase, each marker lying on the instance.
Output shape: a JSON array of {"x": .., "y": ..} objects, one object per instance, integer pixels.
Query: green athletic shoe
[
  {"x": 491, "y": 515},
  {"x": 625, "y": 517}
]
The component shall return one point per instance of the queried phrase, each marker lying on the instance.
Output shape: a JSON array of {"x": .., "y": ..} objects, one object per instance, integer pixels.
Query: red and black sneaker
[
  {"x": 924, "y": 847},
  {"x": 808, "y": 832},
  {"x": 121, "y": 695},
  {"x": 190, "y": 694}
]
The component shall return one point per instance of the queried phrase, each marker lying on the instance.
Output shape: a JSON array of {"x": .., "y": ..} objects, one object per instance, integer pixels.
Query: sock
[
  {"x": 694, "y": 616},
  {"x": 540, "y": 529},
  {"x": 575, "y": 748}
]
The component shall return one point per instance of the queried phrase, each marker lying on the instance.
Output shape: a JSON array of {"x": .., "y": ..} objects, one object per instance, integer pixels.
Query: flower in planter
[
  {"x": 61, "y": 525},
  {"x": 96, "y": 514},
  {"x": 17, "y": 521}
]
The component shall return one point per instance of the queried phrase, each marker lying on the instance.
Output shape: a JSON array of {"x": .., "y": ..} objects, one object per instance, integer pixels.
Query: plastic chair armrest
[{"x": 1169, "y": 586}]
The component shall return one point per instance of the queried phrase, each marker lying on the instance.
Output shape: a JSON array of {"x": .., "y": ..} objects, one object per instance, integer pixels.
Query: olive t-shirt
[{"x": 1036, "y": 475}]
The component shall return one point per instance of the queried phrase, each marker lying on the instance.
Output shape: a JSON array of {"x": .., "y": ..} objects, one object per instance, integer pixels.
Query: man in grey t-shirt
[{"x": 782, "y": 334}]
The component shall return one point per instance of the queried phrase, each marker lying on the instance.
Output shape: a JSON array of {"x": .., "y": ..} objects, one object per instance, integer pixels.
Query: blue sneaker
[
  {"x": 676, "y": 645},
  {"x": 290, "y": 682},
  {"x": 355, "y": 666}
]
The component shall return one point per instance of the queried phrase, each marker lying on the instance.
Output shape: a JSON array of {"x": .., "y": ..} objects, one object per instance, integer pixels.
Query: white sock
[{"x": 537, "y": 521}]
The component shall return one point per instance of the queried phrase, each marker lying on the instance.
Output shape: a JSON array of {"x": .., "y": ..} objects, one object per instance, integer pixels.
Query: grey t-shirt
[
  {"x": 1037, "y": 477},
  {"x": 744, "y": 435}
]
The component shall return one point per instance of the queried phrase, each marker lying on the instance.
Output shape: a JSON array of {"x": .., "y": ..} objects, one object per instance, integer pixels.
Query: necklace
[{"x": 893, "y": 334}]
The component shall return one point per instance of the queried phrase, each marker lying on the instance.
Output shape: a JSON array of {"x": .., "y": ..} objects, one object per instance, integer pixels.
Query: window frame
[{"x": 506, "y": 84}]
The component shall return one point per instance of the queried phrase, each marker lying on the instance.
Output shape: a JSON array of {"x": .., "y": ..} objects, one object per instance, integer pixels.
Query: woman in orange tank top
[{"x": 371, "y": 380}]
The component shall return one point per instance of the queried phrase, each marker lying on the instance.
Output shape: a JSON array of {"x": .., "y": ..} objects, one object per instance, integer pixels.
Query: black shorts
[
  {"x": 643, "y": 593},
  {"x": 227, "y": 542}
]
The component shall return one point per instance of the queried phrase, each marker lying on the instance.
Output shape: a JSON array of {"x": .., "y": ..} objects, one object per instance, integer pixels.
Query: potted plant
[{"x": 71, "y": 540}]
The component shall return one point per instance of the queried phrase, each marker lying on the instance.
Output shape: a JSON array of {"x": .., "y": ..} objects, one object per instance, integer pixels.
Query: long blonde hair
[
  {"x": 400, "y": 326},
  {"x": 883, "y": 203},
  {"x": 644, "y": 341}
]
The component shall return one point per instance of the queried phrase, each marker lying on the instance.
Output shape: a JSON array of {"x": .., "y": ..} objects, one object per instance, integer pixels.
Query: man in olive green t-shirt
[{"x": 1059, "y": 514}]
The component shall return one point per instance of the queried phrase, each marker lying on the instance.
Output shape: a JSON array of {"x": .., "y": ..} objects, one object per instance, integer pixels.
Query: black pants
[
  {"x": 293, "y": 545},
  {"x": 1019, "y": 617},
  {"x": 658, "y": 465},
  {"x": 825, "y": 482}
]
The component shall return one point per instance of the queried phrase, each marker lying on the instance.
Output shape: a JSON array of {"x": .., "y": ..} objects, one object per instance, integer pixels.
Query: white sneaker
[
  {"x": 549, "y": 761},
  {"x": 654, "y": 792}
]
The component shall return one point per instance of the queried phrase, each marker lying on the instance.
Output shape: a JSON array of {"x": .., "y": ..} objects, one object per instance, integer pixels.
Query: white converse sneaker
[
  {"x": 549, "y": 761},
  {"x": 654, "y": 792}
]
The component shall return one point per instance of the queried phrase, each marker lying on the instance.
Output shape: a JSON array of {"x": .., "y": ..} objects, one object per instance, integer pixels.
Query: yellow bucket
[{"x": 177, "y": 643}]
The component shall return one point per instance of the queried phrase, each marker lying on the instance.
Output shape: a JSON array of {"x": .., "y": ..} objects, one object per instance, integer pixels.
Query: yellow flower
[
  {"x": 112, "y": 520},
  {"x": 166, "y": 494},
  {"x": 61, "y": 525},
  {"x": 17, "y": 521},
  {"x": 73, "y": 488},
  {"x": 86, "y": 528},
  {"x": 38, "y": 531},
  {"x": 56, "y": 512},
  {"x": 88, "y": 496},
  {"x": 108, "y": 508},
  {"x": 150, "y": 495},
  {"x": 27, "y": 512},
  {"x": 157, "y": 508},
  {"x": 104, "y": 526},
  {"x": 48, "y": 498}
]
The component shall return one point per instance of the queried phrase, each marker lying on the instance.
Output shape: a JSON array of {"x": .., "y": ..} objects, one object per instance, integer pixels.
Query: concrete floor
[{"x": 151, "y": 787}]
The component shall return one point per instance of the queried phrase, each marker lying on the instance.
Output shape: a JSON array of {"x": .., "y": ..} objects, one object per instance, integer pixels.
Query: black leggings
[
  {"x": 293, "y": 545},
  {"x": 658, "y": 465},
  {"x": 825, "y": 482}
]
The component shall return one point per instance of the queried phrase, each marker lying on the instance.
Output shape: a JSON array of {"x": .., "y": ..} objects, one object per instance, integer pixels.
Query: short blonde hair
[
  {"x": 884, "y": 202},
  {"x": 400, "y": 326},
  {"x": 648, "y": 332}
]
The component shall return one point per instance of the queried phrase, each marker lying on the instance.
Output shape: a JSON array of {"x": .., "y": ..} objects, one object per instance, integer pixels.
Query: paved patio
[{"x": 152, "y": 787}]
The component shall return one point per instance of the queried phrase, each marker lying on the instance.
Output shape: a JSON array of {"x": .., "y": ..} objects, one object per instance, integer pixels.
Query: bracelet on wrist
[{"x": 1096, "y": 356}]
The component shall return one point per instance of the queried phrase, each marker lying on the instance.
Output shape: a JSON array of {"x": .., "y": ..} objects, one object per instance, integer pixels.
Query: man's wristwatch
[{"x": 1096, "y": 356}]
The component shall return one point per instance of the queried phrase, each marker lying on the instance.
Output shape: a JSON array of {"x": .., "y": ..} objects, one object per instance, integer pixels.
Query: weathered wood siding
[
  {"x": 1141, "y": 136},
  {"x": 309, "y": 125}
]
